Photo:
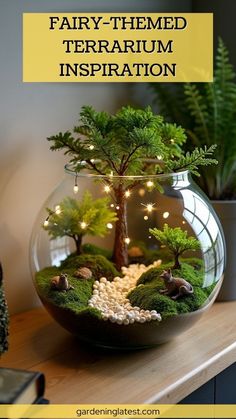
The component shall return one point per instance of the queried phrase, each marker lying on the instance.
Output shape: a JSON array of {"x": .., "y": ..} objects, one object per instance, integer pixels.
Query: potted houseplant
[
  {"x": 3, "y": 317},
  {"x": 208, "y": 112},
  {"x": 125, "y": 214}
]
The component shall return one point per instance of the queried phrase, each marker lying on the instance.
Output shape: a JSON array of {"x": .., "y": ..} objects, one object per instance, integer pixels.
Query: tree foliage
[
  {"x": 176, "y": 240},
  {"x": 120, "y": 143},
  {"x": 131, "y": 142},
  {"x": 76, "y": 218},
  {"x": 208, "y": 112}
]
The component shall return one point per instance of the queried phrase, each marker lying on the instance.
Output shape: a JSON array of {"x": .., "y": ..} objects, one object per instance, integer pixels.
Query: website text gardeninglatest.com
[{"x": 117, "y": 412}]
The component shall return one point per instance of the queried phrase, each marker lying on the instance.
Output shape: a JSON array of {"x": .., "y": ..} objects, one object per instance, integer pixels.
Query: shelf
[{"x": 164, "y": 374}]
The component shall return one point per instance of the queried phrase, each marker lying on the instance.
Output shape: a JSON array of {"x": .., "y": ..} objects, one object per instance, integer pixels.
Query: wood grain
[{"x": 165, "y": 374}]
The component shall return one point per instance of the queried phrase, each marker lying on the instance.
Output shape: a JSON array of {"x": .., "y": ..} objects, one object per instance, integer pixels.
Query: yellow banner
[
  {"x": 117, "y": 47},
  {"x": 120, "y": 411}
]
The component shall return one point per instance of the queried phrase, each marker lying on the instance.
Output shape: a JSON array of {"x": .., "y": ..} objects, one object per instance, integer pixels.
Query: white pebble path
[{"x": 110, "y": 297}]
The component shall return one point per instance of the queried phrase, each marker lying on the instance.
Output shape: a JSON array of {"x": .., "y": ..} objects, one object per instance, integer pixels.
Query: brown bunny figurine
[{"x": 175, "y": 287}]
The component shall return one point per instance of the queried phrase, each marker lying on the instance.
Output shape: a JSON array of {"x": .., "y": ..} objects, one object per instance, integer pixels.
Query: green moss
[
  {"x": 188, "y": 272},
  {"x": 197, "y": 263},
  {"x": 91, "y": 312},
  {"x": 192, "y": 302},
  {"x": 98, "y": 264},
  {"x": 151, "y": 276},
  {"x": 147, "y": 295},
  {"x": 75, "y": 300},
  {"x": 92, "y": 249}
]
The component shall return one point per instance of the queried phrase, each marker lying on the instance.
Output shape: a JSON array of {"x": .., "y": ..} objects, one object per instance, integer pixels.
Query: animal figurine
[
  {"x": 175, "y": 287},
  {"x": 61, "y": 283}
]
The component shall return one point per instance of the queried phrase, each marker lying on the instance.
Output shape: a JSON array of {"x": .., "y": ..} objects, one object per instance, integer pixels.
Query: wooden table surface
[{"x": 165, "y": 374}]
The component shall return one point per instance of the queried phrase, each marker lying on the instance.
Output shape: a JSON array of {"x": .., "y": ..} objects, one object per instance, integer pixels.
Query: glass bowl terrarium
[{"x": 127, "y": 255}]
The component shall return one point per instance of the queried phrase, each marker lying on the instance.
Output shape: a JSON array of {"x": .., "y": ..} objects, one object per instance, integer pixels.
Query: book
[
  {"x": 42, "y": 400},
  {"x": 21, "y": 387}
]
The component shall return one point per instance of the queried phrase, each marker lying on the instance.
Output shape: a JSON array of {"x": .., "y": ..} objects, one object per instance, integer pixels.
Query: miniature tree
[
  {"x": 176, "y": 240},
  {"x": 75, "y": 219},
  {"x": 118, "y": 145}
]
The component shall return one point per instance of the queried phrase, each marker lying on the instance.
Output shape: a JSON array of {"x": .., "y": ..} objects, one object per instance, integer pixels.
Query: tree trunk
[
  {"x": 78, "y": 243},
  {"x": 120, "y": 251},
  {"x": 177, "y": 264}
]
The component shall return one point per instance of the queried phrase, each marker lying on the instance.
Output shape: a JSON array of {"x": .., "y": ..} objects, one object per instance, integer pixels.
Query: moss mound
[
  {"x": 98, "y": 264},
  {"x": 75, "y": 300},
  {"x": 187, "y": 271},
  {"x": 148, "y": 298},
  {"x": 92, "y": 249},
  {"x": 146, "y": 295}
]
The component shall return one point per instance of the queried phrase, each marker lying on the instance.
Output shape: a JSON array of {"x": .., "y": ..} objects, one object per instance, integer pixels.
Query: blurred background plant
[
  {"x": 208, "y": 113},
  {"x": 3, "y": 317}
]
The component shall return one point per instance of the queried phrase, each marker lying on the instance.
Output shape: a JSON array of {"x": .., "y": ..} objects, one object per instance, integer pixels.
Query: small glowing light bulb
[
  {"x": 83, "y": 225},
  {"x": 110, "y": 226},
  {"x": 159, "y": 157},
  {"x": 150, "y": 207},
  {"x": 76, "y": 188},
  {"x": 112, "y": 205},
  {"x": 91, "y": 147},
  {"x": 57, "y": 209},
  {"x": 183, "y": 222},
  {"x": 127, "y": 194},
  {"x": 127, "y": 240},
  {"x": 117, "y": 207},
  {"x": 46, "y": 222},
  {"x": 145, "y": 217},
  {"x": 150, "y": 184},
  {"x": 107, "y": 189},
  {"x": 166, "y": 214}
]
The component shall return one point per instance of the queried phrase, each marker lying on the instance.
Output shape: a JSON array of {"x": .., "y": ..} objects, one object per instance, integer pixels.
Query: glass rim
[{"x": 70, "y": 169}]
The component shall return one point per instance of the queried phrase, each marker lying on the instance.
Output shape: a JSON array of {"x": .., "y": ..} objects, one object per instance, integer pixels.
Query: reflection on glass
[{"x": 200, "y": 216}]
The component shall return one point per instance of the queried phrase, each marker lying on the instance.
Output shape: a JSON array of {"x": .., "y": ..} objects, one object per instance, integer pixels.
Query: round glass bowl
[{"x": 127, "y": 262}]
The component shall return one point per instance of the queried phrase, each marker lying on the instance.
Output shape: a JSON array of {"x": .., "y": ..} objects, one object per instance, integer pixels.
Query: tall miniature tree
[
  {"x": 75, "y": 219},
  {"x": 117, "y": 145},
  {"x": 176, "y": 240}
]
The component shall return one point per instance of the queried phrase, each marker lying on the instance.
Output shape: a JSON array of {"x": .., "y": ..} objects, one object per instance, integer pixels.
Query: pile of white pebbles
[{"x": 111, "y": 297}]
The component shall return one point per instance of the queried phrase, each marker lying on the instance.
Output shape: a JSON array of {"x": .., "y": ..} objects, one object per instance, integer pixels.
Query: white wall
[{"x": 28, "y": 114}]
